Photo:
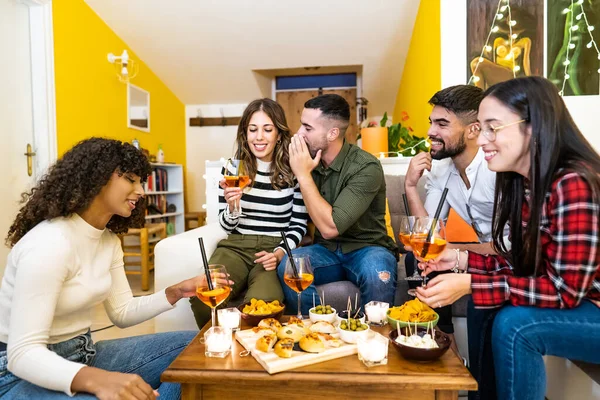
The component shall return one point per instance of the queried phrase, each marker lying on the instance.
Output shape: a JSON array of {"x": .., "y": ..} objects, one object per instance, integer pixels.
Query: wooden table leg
[
  {"x": 191, "y": 391},
  {"x": 446, "y": 395}
]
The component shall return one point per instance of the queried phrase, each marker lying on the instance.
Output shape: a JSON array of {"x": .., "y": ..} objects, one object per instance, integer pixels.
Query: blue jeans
[
  {"x": 147, "y": 356},
  {"x": 521, "y": 335},
  {"x": 372, "y": 269}
]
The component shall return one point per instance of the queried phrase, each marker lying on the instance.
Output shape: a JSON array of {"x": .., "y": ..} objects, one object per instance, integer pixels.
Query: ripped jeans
[
  {"x": 147, "y": 356},
  {"x": 372, "y": 268}
]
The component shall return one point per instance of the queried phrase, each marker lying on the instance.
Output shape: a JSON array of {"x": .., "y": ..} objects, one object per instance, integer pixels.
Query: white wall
[
  {"x": 454, "y": 66},
  {"x": 206, "y": 143}
]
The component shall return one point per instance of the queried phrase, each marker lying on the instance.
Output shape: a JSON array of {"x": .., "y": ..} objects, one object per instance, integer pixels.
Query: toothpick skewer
[
  {"x": 314, "y": 300},
  {"x": 357, "y": 311},
  {"x": 398, "y": 329},
  {"x": 355, "y": 301},
  {"x": 323, "y": 301}
]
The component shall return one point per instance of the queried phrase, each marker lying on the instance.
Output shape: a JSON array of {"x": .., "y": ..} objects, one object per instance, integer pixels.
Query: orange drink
[
  {"x": 303, "y": 281},
  {"x": 405, "y": 239},
  {"x": 213, "y": 298},
  {"x": 434, "y": 247}
]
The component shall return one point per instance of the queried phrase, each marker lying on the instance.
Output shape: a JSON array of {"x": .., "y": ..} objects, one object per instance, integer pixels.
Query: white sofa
[{"x": 177, "y": 258}]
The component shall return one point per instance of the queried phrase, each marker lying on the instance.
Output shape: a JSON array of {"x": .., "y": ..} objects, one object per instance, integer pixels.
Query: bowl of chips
[
  {"x": 257, "y": 310},
  {"x": 413, "y": 312}
]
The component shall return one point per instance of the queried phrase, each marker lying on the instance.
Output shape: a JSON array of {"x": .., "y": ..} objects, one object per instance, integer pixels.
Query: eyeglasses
[{"x": 490, "y": 133}]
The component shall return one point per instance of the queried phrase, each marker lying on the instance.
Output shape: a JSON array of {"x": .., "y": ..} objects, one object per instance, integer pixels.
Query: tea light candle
[
  {"x": 229, "y": 318},
  {"x": 373, "y": 350},
  {"x": 218, "y": 342},
  {"x": 376, "y": 311}
]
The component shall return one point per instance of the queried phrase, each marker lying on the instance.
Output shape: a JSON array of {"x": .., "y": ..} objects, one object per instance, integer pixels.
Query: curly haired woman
[
  {"x": 254, "y": 247},
  {"x": 66, "y": 258}
]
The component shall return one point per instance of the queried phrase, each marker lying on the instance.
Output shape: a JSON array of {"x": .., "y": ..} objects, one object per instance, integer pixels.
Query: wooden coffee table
[{"x": 236, "y": 377}]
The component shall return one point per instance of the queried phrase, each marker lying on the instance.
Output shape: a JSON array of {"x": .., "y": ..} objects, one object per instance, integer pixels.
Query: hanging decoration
[{"x": 576, "y": 12}]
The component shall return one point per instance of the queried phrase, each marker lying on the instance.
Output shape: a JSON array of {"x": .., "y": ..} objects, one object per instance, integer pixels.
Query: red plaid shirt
[{"x": 570, "y": 257}]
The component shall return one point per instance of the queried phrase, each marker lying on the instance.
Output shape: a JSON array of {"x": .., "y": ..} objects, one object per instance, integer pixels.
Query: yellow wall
[
  {"x": 90, "y": 100},
  {"x": 422, "y": 75}
]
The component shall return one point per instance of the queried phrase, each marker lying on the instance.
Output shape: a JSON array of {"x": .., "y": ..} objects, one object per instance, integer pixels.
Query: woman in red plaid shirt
[{"x": 544, "y": 292}]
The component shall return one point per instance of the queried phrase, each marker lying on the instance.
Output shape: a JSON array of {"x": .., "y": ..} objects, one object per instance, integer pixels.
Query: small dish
[
  {"x": 352, "y": 336},
  {"x": 394, "y": 322},
  {"x": 344, "y": 315},
  {"x": 421, "y": 354},
  {"x": 254, "y": 319},
  {"x": 314, "y": 317}
]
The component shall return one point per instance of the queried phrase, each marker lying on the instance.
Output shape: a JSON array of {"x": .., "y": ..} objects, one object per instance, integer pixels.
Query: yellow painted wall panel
[
  {"x": 422, "y": 75},
  {"x": 90, "y": 100}
]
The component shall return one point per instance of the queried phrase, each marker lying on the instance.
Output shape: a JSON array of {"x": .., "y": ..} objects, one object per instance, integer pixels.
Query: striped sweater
[{"x": 267, "y": 211}]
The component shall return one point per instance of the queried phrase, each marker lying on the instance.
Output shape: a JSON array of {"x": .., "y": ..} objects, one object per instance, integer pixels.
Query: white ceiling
[{"x": 205, "y": 51}]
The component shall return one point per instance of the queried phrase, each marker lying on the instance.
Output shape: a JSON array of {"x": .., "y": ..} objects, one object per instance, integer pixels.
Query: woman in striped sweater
[{"x": 272, "y": 203}]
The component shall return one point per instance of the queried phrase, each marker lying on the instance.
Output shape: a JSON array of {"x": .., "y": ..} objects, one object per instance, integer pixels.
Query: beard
[
  {"x": 314, "y": 148},
  {"x": 449, "y": 151}
]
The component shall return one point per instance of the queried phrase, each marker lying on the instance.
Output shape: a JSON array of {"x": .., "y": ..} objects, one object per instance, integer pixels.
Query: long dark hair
[
  {"x": 75, "y": 180},
  {"x": 556, "y": 143},
  {"x": 281, "y": 172}
]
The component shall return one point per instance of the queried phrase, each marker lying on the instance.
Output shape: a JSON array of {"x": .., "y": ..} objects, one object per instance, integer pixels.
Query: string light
[
  {"x": 412, "y": 150},
  {"x": 500, "y": 10},
  {"x": 570, "y": 13}
]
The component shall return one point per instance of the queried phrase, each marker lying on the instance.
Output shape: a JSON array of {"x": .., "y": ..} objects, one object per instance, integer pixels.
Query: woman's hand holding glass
[
  {"x": 232, "y": 195},
  {"x": 444, "y": 262},
  {"x": 444, "y": 289}
]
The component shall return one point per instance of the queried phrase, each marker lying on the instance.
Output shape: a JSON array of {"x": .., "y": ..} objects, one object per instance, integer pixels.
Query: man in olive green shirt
[{"x": 344, "y": 192}]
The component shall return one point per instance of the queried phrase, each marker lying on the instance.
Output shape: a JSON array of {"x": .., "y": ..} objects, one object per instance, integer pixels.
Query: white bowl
[
  {"x": 352, "y": 336},
  {"x": 331, "y": 318},
  {"x": 339, "y": 319}
]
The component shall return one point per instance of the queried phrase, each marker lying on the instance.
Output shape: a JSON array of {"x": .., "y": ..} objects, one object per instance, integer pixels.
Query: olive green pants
[{"x": 237, "y": 253}]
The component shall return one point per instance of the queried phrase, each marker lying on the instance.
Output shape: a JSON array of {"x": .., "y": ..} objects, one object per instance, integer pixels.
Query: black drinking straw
[
  {"x": 206, "y": 269},
  {"x": 289, "y": 254},
  {"x": 438, "y": 211},
  {"x": 406, "y": 208}
]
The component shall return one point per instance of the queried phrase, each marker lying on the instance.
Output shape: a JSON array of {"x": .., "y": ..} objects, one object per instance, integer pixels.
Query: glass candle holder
[
  {"x": 373, "y": 349},
  {"x": 229, "y": 318},
  {"x": 377, "y": 312},
  {"x": 217, "y": 342}
]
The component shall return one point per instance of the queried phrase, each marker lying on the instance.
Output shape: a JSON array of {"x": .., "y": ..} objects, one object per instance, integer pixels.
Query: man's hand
[
  {"x": 417, "y": 166},
  {"x": 301, "y": 162},
  {"x": 269, "y": 260}
]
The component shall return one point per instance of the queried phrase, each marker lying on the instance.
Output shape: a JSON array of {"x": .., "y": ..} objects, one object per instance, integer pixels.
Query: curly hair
[
  {"x": 75, "y": 180},
  {"x": 281, "y": 172}
]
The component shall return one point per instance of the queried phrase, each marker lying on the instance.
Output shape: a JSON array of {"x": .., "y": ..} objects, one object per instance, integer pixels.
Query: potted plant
[{"x": 391, "y": 140}]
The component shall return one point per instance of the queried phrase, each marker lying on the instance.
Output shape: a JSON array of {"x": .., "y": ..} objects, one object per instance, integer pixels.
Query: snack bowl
[
  {"x": 351, "y": 337},
  {"x": 314, "y": 317},
  {"x": 343, "y": 315},
  {"x": 254, "y": 319},
  {"x": 421, "y": 354},
  {"x": 395, "y": 322}
]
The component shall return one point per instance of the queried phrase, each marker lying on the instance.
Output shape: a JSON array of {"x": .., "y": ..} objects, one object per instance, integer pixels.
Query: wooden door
[{"x": 293, "y": 104}]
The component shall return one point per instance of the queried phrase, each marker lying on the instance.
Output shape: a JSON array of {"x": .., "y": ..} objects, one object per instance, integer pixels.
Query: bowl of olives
[
  {"x": 322, "y": 313},
  {"x": 343, "y": 315},
  {"x": 351, "y": 329}
]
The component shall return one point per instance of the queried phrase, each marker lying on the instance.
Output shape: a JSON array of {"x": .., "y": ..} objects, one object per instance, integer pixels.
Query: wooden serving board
[{"x": 273, "y": 364}]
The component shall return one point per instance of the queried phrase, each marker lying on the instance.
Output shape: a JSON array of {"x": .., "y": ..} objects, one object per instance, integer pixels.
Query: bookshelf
[{"x": 170, "y": 195}]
